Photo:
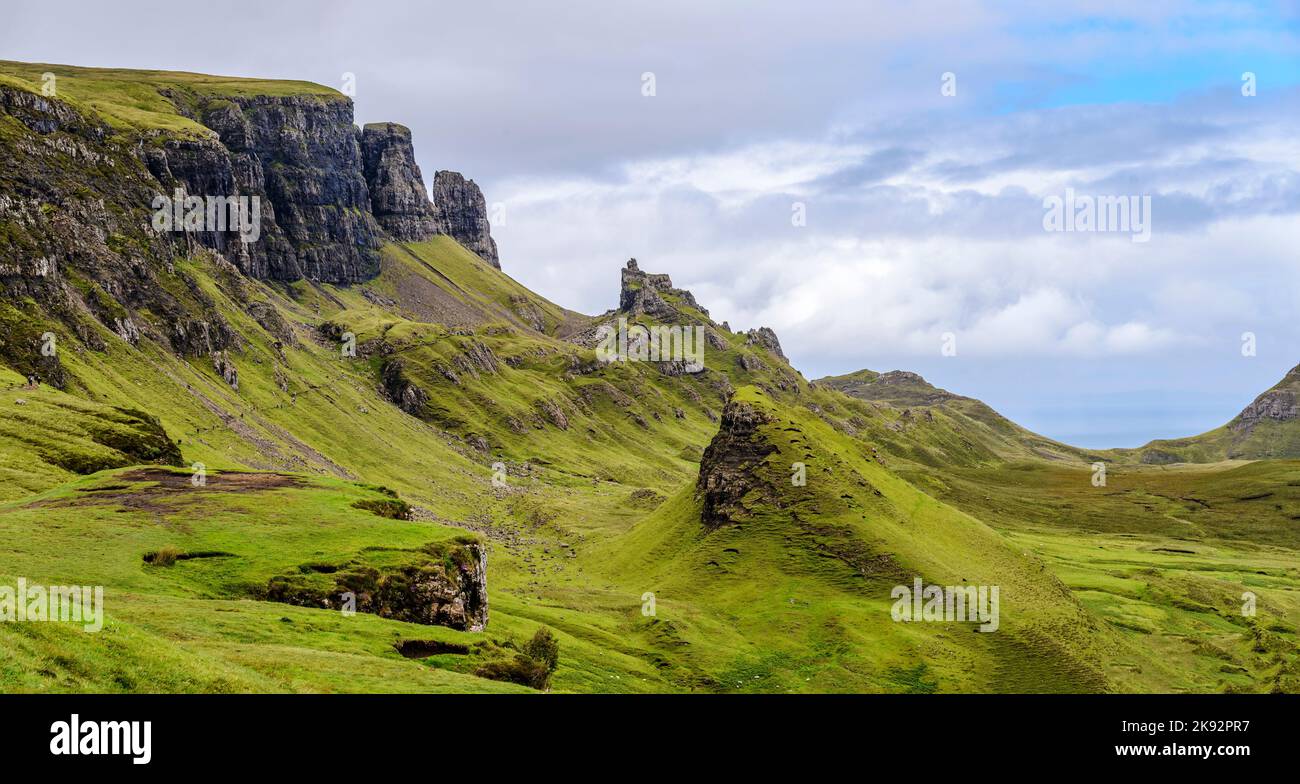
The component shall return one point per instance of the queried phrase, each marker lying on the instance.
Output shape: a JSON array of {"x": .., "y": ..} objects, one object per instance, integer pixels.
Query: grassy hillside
[
  {"x": 475, "y": 413},
  {"x": 130, "y": 100}
]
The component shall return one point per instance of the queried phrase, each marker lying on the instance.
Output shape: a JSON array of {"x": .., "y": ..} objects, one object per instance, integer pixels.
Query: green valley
[{"x": 358, "y": 456}]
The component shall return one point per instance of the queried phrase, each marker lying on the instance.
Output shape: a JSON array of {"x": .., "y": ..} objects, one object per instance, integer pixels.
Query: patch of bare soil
[{"x": 158, "y": 498}]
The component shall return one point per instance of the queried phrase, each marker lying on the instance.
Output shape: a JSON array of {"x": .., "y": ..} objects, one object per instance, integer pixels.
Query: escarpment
[
  {"x": 1277, "y": 404},
  {"x": 300, "y": 156},
  {"x": 81, "y": 243}
]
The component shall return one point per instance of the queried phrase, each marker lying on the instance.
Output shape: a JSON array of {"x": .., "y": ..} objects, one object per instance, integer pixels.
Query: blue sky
[{"x": 924, "y": 210}]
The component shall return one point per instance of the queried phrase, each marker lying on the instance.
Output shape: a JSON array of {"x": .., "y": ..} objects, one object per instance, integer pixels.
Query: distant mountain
[{"x": 960, "y": 429}]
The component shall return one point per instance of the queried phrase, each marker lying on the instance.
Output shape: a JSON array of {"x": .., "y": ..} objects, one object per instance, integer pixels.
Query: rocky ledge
[{"x": 445, "y": 586}]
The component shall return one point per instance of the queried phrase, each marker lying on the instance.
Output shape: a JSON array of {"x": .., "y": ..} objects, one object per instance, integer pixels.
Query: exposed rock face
[
  {"x": 79, "y": 244},
  {"x": 462, "y": 214},
  {"x": 399, "y": 389},
  {"x": 447, "y": 589},
  {"x": 765, "y": 337},
  {"x": 225, "y": 368},
  {"x": 1278, "y": 405},
  {"x": 301, "y": 157},
  {"x": 728, "y": 470},
  {"x": 641, "y": 292},
  {"x": 76, "y": 244},
  {"x": 397, "y": 196}
]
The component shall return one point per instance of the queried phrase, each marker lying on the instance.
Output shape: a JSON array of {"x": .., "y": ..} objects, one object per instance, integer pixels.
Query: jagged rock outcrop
[
  {"x": 765, "y": 337},
  {"x": 397, "y": 196},
  {"x": 642, "y": 292},
  {"x": 225, "y": 367},
  {"x": 462, "y": 213},
  {"x": 729, "y": 470},
  {"x": 401, "y": 390}
]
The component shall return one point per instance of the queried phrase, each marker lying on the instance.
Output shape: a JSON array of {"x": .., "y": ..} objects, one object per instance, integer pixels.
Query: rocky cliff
[
  {"x": 80, "y": 241},
  {"x": 729, "y": 470},
  {"x": 397, "y": 196},
  {"x": 462, "y": 214},
  {"x": 76, "y": 245},
  {"x": 643, "y": 292}
]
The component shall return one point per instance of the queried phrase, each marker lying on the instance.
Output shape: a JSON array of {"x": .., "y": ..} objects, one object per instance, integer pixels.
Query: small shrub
[
  {"x": 164, "y": 556},
  {"x": 521, "y": 670},
  {"x": 392, "y": 509},
  {"x": 544, "y": 649},
  {"x": 533, "y": 667}
]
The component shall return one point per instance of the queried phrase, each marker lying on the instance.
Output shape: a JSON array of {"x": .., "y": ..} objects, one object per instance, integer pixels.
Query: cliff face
[
  {"x": 301, "y": 156},
  {"x": 80, "y": 243},
  {"x": 642, "y": 292},
  {"x": 729, "y": 470},
  {"x": 462, "y": 214},
  {"x": 397, "y": 196}
]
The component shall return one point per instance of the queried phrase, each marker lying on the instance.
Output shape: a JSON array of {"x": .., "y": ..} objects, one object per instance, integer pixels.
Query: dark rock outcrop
[
  {"x": 729, "y": 468},
  {"x": 300, "y": 155},
  {"x": 1277, "y": 404},
  {"x": 397, "y": 196},
  {"x": 76, "y": 242},
  {"x": 447, "y": 586},
  {"x": 765, "y": 337},
  {"x": 642, "y": 292},
  {"x": 462, "y": 214},
  {"x": 399, "y": 389},
  {"x": 82, "y": 253}
]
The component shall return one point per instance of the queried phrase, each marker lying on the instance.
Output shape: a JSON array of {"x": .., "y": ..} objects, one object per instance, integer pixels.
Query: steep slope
[{"x": 798, "y": 578}]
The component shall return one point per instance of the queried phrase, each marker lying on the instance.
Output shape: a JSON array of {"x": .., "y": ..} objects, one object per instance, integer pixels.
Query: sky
[{"x": 869, "y": 179}]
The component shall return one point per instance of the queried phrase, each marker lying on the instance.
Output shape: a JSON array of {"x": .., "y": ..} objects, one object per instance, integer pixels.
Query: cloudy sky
[{"x": 866, "y": 178}]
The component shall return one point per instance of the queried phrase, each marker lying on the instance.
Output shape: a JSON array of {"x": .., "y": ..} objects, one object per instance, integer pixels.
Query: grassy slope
[
  {"x": 800, "y": 590},
  {"x": 571, "y": 547},
  {"x": 130, "y": 99},
  {"x": 1164, "y": 555},
  {"x": 974, "y": 432}
]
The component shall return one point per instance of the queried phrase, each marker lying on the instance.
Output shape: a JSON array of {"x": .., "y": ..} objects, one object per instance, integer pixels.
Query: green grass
[
  {"x": 1132, "y": 587},
  {"x": 596, "y": 514},
  {"x": 131, "y": 100}
]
